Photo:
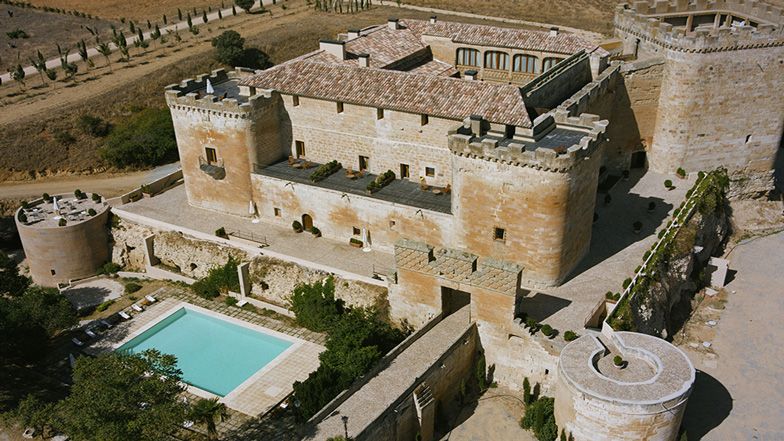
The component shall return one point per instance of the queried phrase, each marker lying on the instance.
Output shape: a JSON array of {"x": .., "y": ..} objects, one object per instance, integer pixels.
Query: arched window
[
  {"x": 549, "y": 62},
  {"x": 496, "y": 60},
  {"x": 468, "y": 57},
  {"x": 524, "y": 63}
]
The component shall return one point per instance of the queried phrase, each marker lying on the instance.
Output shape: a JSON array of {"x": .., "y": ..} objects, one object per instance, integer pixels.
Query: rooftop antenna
[{"x": 210, "y": 90}]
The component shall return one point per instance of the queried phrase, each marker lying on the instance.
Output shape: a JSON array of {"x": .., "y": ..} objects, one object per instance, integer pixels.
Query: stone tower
[{"x": 722, "y": 90}]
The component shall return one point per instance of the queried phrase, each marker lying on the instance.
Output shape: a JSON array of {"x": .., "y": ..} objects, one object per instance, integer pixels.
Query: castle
[{"x": 497, "y": 140}]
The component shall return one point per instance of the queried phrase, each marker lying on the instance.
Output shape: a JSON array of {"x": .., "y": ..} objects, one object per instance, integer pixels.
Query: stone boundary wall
[
  {"x": 548, "y": 89},
  {"x": 580, "y": 101},
  {"x": 154, "y": 187}
]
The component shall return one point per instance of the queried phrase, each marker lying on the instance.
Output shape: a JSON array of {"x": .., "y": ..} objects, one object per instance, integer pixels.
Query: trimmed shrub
[
  {"x": 91, "y": 212},
  {"x": 315, "y": 231},
  {"x": 296, "y": 226},
  {"x": 109, "y": 268},
  {"x": 681, "y": 172},
  {"x": 105, "y": 305},
  {"x": 617, "y": 360},
  {"x": 325, "y": 170},
  {"x": 231, "y": 301},
  {"x": 46, "y": 197},
  {"x": 62, "y": 222},
  {"x": 480, "y": 372},
  {"x": 570, "y": 335},
  {"x": 132, "y": 287},
  {"x": 221, "y": 232},
  {"x": 668, "y": 184},
  {"x": 96, "y": 197},
  {"x": 547, "y": 330},
  {"x": 539, "y": 418},
  {"x": 626, "y": 283}
]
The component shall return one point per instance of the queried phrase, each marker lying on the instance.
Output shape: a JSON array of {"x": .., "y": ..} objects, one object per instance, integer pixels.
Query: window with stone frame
[
  {"x": 496, "y": 60},
  {"x": 499, "y": 234},
  {"x": 467, "y": 57},
  {"x": 524, "y": 63}
]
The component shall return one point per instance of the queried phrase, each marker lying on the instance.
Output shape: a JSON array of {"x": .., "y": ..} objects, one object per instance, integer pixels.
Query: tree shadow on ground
[
  {"x": 710, "y": 404},
  {"x": 88, "y": 296}
]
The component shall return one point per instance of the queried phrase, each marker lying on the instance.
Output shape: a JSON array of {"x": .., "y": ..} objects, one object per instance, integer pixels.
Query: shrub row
[{"x": 325, "y": 170}]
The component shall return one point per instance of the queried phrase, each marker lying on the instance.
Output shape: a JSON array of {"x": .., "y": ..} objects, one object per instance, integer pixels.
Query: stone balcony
[{"x": 215, "y": 169}]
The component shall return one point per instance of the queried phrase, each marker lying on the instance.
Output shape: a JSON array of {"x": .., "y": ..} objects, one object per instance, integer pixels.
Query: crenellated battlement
[
  {"x": 702, "y": 26},
  {"x": 229, "y": 99},
  {"x": 539, "y": 151}
]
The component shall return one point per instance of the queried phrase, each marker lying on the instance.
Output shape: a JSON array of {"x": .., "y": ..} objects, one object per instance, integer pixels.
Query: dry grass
[
  {"x": 593, "y": 15},
  {"x": 44, "y": 30},
  {"x": 139, "y": 10}
]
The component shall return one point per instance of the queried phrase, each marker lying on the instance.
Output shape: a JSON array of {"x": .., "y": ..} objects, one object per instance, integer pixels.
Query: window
[
  {"x": 549, "y": 62},
  {"x": 748, "y": 139},
  {"x": 468, "y": 57},
  {"x": 499, "y": 234},
  {"x": 524, "y": 63},
  {"x": 300, "y": 148},
  {"x": 340, "y": 107},
  {"x": 53, "y": 273},
  {"x": 364, "y": 162},
  {"x": 510, "y": 131},
  {"x": 276, "y": 210},
  {"x": 404, "y": 173},
  {"x": 430, "y": 172},
  {"x": 356, "y": 231},
  {"x": 295, "y": 100},
  {"x": 392, "y": 224},
  {"x": 212, "y": 155},
  {"x": 424, "y": 120},
  {"x": 379, "y": 113},
  {"x": 496, "y": 60}
]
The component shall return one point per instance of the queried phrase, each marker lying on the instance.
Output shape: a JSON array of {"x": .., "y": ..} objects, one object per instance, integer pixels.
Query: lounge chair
[
  {"x": 150, "y": 298},
  {"x": 91, "y": 333},
  {"x": 124, "y": 315},
  {"x": 107, "y": 324},
  {"x": 137, "y": 308},
  {"x": 77, "y": 342}
]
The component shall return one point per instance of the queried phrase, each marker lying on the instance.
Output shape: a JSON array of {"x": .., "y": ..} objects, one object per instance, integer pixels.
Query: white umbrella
[
  {"x": 210, "y": 90},
  {"x": 366, "y": 247},
  {"x": 251, "y": 208},
  {"x": 55, "y": 207}
]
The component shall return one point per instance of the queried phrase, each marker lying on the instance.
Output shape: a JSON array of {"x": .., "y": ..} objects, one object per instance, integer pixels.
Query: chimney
[
  {"x": 353, "y": 34},
  {"x": 393, "y": 24},
  {"x": 336, "y": 48},
  {"x": 476, "y": 125},
  {"x": 364, "y": 60},
  {"x": 553, "y": 31},
  {"x": 470, "y": 75},
  {"x": 433, "y": 19}
]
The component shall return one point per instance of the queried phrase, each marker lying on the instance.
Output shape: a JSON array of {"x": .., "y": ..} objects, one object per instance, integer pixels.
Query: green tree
[
  {"x": 144, "y": 139},
  {"x": 40, "y": 65},
  {"x": 540, "y": 419},
  {"x": 245, "y": 4},
  {"x": 18, "y": 74},
  {"x": 190, "y": 21},
  {"x": 179, "y": 14},
  {"x": 47, "y": 308},
  {"x": 229, "y": 47},
  {"x": 11, "y": 282},
  {"x": 81, "y": 47},
  {"x": 209, "y": 412},
  {"x": 120, "y": 396},
  {"x": 204, "y": 16},
  {"x": 526, "y": 391},
  {"x": 315, "y": 306},
  {"x": 33, "y": 412}
]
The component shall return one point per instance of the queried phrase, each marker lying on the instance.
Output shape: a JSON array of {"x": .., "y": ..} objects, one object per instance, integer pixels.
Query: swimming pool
[{"x": 214, "y": 354}]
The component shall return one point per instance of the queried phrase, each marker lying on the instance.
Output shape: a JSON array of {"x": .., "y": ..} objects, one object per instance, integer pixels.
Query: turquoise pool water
[{"x": 214, "y": 354}]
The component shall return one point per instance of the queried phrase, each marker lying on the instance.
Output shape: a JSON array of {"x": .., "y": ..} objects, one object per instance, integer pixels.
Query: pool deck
[{"x": 261, "y": 391}]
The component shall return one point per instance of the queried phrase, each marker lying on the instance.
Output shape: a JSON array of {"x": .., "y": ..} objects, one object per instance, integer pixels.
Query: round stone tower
[
  {"x": 644, "y": 398},
  {"x": 66, "y": 242}
]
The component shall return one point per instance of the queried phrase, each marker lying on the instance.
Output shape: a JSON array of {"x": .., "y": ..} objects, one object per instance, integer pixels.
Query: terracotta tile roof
[
  {"x": 437, "y": 96},
  {"x": 562, "y": 43},
  {"x": 386, "y": 46},
  {"x": 434, "y": 67}
]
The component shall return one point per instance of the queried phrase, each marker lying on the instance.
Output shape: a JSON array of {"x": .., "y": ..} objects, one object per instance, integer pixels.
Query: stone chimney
[
  {"x": 476, "y": 125},
  {"x": 470, "y": 75},
  {"x": 433, "y": 19},
  {"x": 336, "y": 48},
  {"x": 393, "y": 24},
  {"x": 364, "y": 60},
  {"x": 553, "y": 31},
  {"x": 353, "y": 34}
]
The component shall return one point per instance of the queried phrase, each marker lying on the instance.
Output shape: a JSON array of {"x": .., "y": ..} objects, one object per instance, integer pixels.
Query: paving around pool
[{"x": 248, "y": 367}]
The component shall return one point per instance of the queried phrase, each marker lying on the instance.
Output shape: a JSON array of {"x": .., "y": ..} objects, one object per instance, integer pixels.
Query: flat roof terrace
[
  {"x": 399, "y": 191},
  {"x": 229, "y": 89}
]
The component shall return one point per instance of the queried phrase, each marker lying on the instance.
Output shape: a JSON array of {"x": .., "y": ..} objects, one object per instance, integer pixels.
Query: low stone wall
[{"x": 272, "y": 280}]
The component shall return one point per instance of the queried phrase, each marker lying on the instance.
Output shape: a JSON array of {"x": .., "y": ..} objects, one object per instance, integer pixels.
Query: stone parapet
[
  {"x": 458, "y": 266},
  {"x": 525, "y": 152},
  {"x": 588, "y": 94},
  {"x": 187, "y": 95},
  {"x": 643, "y": 20}
]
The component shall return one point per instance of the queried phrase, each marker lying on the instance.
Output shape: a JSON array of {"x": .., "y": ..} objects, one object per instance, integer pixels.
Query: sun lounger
[
  {"x": 77, "y": 342},
  {"x": 124, "y": 315},
  {"x": 150, "y": 298},
  {"x": 91, "y": 333},
  {"x": 137, "y": 308},
  {"x": 107, "y": 324}
]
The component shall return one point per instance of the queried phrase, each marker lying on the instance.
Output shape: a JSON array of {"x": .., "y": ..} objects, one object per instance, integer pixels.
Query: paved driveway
[{"x": 740, "y": 393}]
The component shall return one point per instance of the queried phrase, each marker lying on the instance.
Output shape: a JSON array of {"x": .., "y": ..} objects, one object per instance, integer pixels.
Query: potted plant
[
  {"x": 62, "y": 222},
  {"x": 548, "y": 331},
  {"x": 570, "y": 335},
  {"x": 296, "y": 226},
  {"x": 315, "y": 232},
  {"x": 668, "y": 184},
  {"x": 356, "y": 243},
  {"x": 91, "y": 212},
  {"x": 619, "y": 362},
  {"x": 637, "y": 227},
  {"x": 681, "y": 173},
  {"x": 651, "y": 206}
]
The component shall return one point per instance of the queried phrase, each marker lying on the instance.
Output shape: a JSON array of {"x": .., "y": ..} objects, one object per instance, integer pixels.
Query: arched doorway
[{"x": 307, "y": 222}]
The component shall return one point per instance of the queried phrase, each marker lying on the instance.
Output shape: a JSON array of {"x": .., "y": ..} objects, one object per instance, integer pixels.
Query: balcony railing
[{"x": 214, "y": 169}]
